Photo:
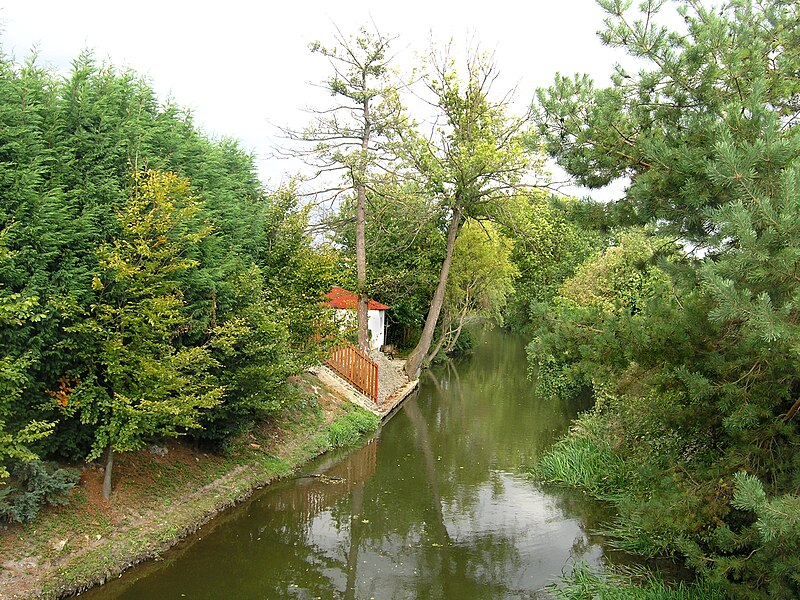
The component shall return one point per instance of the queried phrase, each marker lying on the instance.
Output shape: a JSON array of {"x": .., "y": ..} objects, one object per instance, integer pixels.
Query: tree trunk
[
  {"x": 444, "y": 331},
  {"x": 107, "y": 474},
  {"x": 362, "y": 313},
  {"x": 418, "y": 354},
  {"x": 450, "y": 336}
]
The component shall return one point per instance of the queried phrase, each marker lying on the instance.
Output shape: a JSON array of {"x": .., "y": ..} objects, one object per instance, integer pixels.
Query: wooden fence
[{"x": 357, "y": 368}]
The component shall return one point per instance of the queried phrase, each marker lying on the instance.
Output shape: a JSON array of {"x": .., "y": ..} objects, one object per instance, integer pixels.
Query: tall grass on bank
[
  {"x": 348, "y": 429},
  {"x": 582, "y": 460},
  {"x": 583, "y": 583}
]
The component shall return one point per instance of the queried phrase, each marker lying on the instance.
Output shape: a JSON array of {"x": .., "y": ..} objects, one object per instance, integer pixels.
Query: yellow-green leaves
[
  {"x": 138, "y": 382},
  {"x": 620, "y": 278},
  {"x": 482, "y": 274}
]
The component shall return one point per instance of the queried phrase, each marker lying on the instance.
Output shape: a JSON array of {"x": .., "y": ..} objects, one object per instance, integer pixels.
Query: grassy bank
[
  {"x": 591, "y": 459},
  {"x": 159, "y": 498},
  {"x": 583, "y": 583}
]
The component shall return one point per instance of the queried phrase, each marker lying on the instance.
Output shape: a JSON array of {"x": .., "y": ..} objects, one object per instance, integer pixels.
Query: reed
[
  {"x": 639, "y": 584},
  {"x": 584, "y": 463}
]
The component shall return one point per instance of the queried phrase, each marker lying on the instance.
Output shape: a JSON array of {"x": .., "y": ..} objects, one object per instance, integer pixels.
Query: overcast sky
[{"x": 243, "y": 66}]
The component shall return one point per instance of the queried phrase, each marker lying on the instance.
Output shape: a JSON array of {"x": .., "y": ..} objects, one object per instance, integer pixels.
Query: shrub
[{"x": 32, "y": 485}]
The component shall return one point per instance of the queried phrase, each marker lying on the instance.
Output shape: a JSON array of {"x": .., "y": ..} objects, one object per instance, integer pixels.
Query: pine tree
[
  {"x": 708, "y": 134},
  {"x": 352, "y": 136}
]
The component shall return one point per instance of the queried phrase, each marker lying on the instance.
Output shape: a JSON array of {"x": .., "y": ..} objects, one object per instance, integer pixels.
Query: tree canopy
[
  {"x": 689, "y": 338},
  {"x": 125, "y": 236},
  {"x": 469, "y": 165}
]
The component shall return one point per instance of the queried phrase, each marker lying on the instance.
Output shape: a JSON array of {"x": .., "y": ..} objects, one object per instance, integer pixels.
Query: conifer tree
[
  {"x": 16, "y": 435},
  {"x": 351, "y": 137},
  {"x": 707, "y": 133}
]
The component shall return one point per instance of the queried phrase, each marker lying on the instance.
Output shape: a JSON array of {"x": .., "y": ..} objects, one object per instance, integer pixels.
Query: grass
[
  {"x": 348, "y": 429},
  {"x": 581, "y": 462},
  {"x": 583, "y": 583}
]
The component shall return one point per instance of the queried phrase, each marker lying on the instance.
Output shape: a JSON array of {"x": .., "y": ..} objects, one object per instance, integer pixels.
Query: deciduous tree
[
  {"x": 469, "y": 163},
  {"x": 133, "y": 382}
]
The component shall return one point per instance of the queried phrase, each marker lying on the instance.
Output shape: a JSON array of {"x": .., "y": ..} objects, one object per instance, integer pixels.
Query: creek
[{"x": 438, "y": 504}]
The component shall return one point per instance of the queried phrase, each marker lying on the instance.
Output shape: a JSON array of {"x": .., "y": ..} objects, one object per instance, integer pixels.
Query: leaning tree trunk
[
  {"x": 444, "y": 331},
  {"x": 418, "y": 354},
  {"x": 107, "y": 474}
]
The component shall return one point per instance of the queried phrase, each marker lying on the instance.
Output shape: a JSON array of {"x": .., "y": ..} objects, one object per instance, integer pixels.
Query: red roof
[{"x": 342, "y": 298}]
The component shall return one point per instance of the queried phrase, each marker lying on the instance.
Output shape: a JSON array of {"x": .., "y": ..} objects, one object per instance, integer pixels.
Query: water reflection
[{"x": 435, "y": 506}]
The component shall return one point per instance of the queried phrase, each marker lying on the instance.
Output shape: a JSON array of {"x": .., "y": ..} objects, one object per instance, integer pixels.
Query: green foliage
[
  {"x": 552, "y": 237},
  {"x": 482, "y": 272},
  {"x": 665, "y": 126},
  {"x": 132, "y": 383},
  {"x": 707, "y": 132},
  {"x": 778, "y": 518},
  {"x": 15, "y": 445},
  {"x": 32, "y": 485},
  {"x": 480, "y": 281},
  {"x": 774, "y": 536},
  {"x": 621, "y": 278},
  {"x": 128, "y": 312},
  {"x": 348, "y": 429},
  {"x": 464, "y": 345},
  {"x": 474, "y": 157},
  {"x": 603, "y": 307},
  {"x": 296, "y": 274},
  {"x": 470, "y": 164},
  {"x": 16, "y": 435},
  {"x": 262, "y": 336}
]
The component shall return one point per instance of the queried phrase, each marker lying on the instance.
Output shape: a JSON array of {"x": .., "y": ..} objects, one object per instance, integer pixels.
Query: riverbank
[{"x": 161, "y": 495}]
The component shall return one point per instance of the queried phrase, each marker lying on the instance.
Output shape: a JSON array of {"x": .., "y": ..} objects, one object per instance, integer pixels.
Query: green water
[{"x": 436, "y": 505}]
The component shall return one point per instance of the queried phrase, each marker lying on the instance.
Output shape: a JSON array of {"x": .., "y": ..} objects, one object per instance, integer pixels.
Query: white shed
[{"x": 345, "y": 303}]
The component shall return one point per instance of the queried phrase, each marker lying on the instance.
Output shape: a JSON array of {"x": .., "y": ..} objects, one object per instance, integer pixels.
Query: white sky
[{"x": 244, "y": 66}]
